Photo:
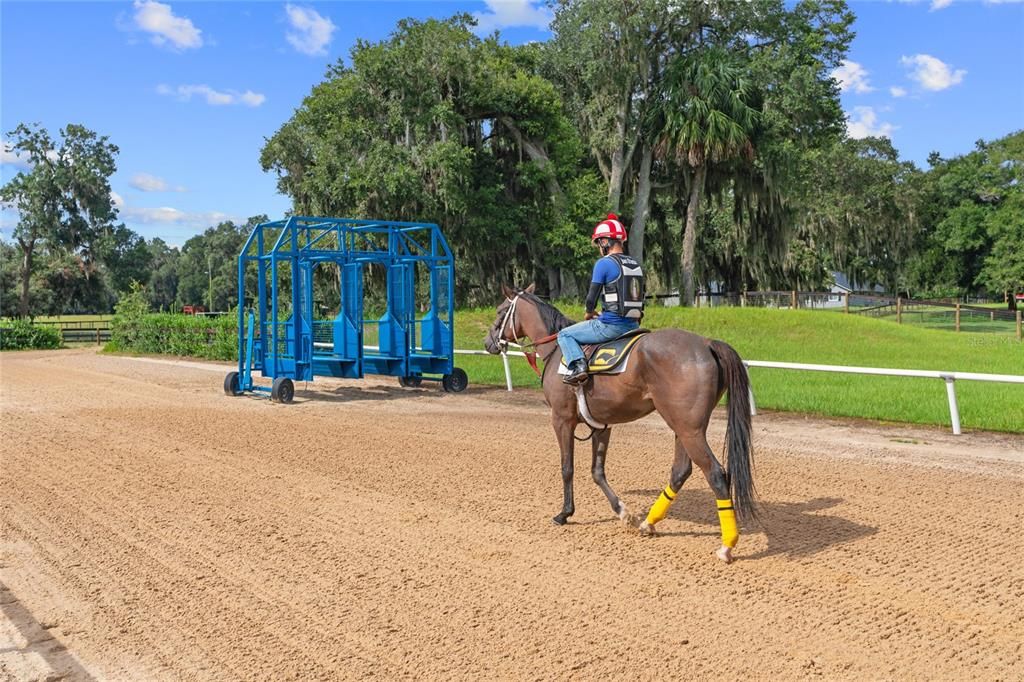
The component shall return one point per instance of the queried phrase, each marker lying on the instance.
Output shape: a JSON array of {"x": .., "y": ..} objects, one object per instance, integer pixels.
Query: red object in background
[
  {"x": 1019, "y": 297},
  {"x": 192, "y": 309}
]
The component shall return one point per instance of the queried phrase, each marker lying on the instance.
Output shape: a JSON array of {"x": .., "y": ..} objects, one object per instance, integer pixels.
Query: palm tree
[{"x": 707, "y": 119}]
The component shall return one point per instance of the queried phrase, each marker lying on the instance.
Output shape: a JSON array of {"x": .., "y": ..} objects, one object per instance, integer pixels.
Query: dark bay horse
[{"x": 679, "y": 374}]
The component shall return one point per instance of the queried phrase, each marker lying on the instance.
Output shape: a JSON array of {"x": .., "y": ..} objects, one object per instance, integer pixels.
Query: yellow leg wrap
[
  {"x": 727, "y": 519},
  {"x": 660, "y": 507}
]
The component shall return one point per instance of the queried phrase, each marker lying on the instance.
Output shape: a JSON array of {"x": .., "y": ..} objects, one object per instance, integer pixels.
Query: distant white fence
[{"x": 950, "y": 378}]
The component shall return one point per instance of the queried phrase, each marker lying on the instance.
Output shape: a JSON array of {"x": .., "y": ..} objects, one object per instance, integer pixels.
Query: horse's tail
[{"x": 737, "y": 433}]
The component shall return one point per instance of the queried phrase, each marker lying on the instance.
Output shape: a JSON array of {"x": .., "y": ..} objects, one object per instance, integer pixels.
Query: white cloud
[
  {"x": 852, "y": 76},
  {"x": 10, "y": 157},
  {"x": 216, "y": 98},
  {"x": 20, "y": 160},
  {"x": 932, "y": 73},
  {"x": 312, "y": 32},
  {"x": 167, "y": 215},
  {"x": 157, "y": 19},
  {"x": 863, "y": 122},
  {"x": 897, "y": 91},
  {"x": 252, "y": 99},
  {"x": 509, "y": 13},
  {"x": 151, "y": 183},
  {"x": 943, "y": 4}
]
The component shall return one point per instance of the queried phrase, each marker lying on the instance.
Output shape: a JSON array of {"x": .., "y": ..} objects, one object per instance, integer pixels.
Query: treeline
[
  {"x": 714, "y": 129},
  {"x": 70, "y": 254}
]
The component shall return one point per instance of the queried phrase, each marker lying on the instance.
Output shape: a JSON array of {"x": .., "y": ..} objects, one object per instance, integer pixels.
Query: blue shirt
[{"x": 606, "y": 271}]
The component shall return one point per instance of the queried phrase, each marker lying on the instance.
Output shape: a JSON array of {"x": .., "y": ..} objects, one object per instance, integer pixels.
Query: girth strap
[{"x": 584, "y": 410}]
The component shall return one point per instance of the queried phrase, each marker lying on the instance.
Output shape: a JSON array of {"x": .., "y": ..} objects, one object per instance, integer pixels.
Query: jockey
[{"x": 620, "y": 280}]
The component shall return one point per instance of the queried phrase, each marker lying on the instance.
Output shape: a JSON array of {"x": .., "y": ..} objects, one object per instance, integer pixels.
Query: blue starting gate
[{"x": 282, "y": 337}]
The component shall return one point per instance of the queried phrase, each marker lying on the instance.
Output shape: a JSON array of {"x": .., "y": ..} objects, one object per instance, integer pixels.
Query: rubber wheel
[
  {"x": 456, "y": 382},
  {"x": 282, "y": 391},
  {"x": 231, "y": 386},
  {"x": 410, "y": 382}
]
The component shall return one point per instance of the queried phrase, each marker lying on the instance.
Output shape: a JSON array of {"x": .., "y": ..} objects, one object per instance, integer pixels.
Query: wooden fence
[{"x": 925, "y": 312}]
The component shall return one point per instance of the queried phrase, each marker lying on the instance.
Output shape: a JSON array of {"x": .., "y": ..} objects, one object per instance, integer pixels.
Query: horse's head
[{"x": 507, "y": 323}]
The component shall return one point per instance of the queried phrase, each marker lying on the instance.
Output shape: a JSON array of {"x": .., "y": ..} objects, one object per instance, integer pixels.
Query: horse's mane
[{"x": 551, "y": 316}]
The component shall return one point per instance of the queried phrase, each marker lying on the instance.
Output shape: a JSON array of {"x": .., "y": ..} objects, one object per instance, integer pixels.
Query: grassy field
[{"x": 813, "y": 337}]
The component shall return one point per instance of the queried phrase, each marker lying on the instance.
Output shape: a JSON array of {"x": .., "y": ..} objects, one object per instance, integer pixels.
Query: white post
[
  {"x": 954, "y": 410},
  {"x": 508, "y": 371},
  {"x": 753, "y": 405}
]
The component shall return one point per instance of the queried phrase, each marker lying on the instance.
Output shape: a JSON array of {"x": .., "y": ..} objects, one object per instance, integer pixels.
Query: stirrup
[{"x": 577, "y": 374}]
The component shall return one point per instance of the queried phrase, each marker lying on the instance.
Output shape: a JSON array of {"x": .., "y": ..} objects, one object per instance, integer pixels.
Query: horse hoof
[
  {"x": 627, "y": 518},
  {"x": 725, "y": 554},
  {"x": 559, "y": 520},
  {"x": 646, "y": 529}
]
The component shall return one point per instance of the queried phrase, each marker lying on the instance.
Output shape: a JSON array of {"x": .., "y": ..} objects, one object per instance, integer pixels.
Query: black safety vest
[{"x": 625, "y": 295}]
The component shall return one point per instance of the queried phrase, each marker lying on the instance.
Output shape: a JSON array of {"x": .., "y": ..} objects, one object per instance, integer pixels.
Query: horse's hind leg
[
  {"x": 600, "y": 449},
  {"x": 701, "y": 453},
  {"x": 681, "y": 468}
]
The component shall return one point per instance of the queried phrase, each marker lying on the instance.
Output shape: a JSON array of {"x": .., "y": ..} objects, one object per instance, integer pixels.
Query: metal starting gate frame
[{"x": 281, "y": 337}]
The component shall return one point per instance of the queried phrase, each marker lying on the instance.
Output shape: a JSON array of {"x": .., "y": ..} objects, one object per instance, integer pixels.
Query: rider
[{"x": 621, "y": 281}]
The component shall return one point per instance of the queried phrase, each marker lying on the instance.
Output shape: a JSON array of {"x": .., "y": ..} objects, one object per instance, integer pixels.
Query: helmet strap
[{"x": 605, "y": 244}]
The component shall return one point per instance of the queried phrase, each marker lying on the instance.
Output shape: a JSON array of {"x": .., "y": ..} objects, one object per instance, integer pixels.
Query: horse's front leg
[
  {"x": 564, "y": 428},
  {"x": 600, "y": 451}
]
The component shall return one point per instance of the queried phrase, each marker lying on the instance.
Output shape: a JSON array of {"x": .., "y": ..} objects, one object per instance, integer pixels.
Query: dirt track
[{"x": 153, "y": 528}]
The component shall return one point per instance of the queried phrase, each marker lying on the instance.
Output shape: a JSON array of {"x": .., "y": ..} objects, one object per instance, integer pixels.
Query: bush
[
  {"x": 213, "y": 338},
  {"x": 22, "y": 335}
]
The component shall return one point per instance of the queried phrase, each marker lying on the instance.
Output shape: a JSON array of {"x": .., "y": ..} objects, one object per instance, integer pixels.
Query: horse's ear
[
  {"x": 507, "y": 292},
  {"x": 530, "y": 288}
]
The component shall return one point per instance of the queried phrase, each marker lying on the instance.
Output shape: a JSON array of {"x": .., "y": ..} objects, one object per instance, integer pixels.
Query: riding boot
[{"x": 577, "y": 373}]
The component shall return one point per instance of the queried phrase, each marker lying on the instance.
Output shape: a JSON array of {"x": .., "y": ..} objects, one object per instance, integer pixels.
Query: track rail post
[
  {"x": 508, "y": 370},
  {"x": 954, "y": 409}
]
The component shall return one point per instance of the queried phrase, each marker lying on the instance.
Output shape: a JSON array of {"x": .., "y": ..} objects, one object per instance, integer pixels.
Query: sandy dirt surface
[{"x": 153, "y": 528}]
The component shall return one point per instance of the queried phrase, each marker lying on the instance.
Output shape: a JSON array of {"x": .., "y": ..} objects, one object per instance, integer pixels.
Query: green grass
[{"x": 814, "y": 337}]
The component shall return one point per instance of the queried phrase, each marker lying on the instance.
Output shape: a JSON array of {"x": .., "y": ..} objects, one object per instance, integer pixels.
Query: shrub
[
  {"x": 213, "y": 338},
  {"x": 22, "y": 335}
]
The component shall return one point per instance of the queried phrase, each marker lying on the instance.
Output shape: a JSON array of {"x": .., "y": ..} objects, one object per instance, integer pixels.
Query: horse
[{"x": 681, "y": 375}]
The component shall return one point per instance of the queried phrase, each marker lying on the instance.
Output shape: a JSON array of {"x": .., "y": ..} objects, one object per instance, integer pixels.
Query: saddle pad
[{"x": 609, "y": 357}]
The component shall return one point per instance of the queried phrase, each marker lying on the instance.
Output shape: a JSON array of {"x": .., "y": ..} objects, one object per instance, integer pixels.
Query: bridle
[{"x": 509, "y": 321}]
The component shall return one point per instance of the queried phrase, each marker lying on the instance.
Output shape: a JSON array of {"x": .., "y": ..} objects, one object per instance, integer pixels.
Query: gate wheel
[
  {"x": 410, "y": 382},
  {"x": 456, "y": 382},
  {"x": 282, "y": 391},
  {"x": 231, "y": 386}
]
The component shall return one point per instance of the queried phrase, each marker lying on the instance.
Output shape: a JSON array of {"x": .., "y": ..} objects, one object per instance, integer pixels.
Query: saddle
[{"x": 609, "y": 357}]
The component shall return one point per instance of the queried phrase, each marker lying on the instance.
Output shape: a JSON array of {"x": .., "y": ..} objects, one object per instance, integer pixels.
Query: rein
[{"x": 531, "y": 356}]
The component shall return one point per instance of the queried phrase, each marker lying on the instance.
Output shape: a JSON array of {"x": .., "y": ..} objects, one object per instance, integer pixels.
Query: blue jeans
[{"x": 591, "y": 331}]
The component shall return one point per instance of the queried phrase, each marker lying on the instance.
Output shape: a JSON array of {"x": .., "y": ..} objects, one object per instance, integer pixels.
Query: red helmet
[{"x": 610, "y": 228}]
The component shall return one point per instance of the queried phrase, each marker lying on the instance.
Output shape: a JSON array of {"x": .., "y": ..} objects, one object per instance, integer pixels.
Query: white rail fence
[{"x": 950, "y": 378}]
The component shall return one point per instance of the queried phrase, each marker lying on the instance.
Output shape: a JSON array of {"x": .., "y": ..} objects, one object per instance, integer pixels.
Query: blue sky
[{"x": 190, "y": 90}]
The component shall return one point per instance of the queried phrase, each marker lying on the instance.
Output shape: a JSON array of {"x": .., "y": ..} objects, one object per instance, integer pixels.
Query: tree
[
  {"x": 626, "y": 69},
  {"x": 970, "y": 217},
  {"x": 162, "y": 288},
  {"x": 126, "y": 256},
  {"x": 437, "y": 124},
  {"x": 9, "y": 270},
  {"x": 857, "y": 210},
  {"x": 208, "y": 266},
  {"x": 709, "y": 121},
  {"x": 63, "y": 200}
]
